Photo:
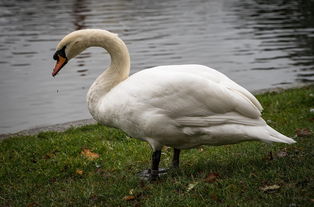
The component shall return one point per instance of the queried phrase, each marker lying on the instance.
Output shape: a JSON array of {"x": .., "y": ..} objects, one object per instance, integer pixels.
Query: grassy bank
[{"x": 96, "y": 166}]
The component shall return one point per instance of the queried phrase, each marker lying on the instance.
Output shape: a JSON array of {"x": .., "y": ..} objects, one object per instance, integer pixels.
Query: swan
[{"x": 179, "y": 106}]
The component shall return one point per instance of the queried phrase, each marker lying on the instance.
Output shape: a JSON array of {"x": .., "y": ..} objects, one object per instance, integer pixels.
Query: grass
[{"x": 49, "y": 169}]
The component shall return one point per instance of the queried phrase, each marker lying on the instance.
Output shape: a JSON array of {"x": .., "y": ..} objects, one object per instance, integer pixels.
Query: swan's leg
[
  {"x": 155, "y": 164},
  {"x": 176, "y": 158},
  {"x": 154, "y": 172}
]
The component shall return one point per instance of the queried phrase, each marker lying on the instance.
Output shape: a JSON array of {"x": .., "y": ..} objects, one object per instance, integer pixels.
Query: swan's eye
[
  {"x": 55, "y": 56},
  {"x": 60, "y": 52}
]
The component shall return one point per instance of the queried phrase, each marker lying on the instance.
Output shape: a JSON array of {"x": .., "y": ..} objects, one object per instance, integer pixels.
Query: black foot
[{"x": 152, "y": 175}]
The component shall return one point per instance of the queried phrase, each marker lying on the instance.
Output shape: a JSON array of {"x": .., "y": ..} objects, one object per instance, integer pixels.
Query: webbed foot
[{"x": 152, "y": 175}]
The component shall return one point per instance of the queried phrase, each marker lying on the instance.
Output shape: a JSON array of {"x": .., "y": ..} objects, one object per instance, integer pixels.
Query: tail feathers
[{"x": 275, "y": 136}]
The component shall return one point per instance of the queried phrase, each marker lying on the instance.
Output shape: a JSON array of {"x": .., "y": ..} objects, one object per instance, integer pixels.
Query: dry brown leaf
[
  {"x": 211, "y": 177},
  {"x": 269, "y": 188},
  {"x": 32, "y": 204},
  {"x": 129, "y": 198},
  {"x": 213, "y": 196},
  {"x": 252, "y": 175},
  {"x": 312, "y": 200},
  {"x": 89, "y": 154},
  {"x": 79, "y": 172},
  {"x": 49, "y": 156},
  {"x": 303, "y": 132}
]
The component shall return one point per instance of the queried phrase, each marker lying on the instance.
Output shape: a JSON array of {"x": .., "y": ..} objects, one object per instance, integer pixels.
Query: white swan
[{"x": 181, "y": 106}]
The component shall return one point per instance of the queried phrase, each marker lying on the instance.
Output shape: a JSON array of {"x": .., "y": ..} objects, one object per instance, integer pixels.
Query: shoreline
[
  {"x": 55, "y": 127},
  {"x": 64, "y": 126}
]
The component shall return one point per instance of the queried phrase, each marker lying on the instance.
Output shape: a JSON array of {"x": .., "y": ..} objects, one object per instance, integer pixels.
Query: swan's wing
[
  {"x": 215, "y": 76},
  {"x": 181, "y": 94}
]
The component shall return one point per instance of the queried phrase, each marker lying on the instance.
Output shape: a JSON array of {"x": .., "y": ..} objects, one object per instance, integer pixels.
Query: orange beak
[{"x": 60, "y": 63}]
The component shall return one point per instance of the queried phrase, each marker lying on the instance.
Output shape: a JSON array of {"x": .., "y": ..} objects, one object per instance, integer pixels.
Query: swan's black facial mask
[{"x": 61, "y": 59}]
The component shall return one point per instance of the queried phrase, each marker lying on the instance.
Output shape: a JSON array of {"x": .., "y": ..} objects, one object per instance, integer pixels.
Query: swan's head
[{"x": 69, "y": 47}]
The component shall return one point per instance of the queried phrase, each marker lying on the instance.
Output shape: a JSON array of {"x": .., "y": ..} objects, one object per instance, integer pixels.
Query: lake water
[{"x": 260, "y": 44}]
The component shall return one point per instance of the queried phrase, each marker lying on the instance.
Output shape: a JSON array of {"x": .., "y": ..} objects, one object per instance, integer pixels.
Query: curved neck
[{"x": 118, "y": 70}]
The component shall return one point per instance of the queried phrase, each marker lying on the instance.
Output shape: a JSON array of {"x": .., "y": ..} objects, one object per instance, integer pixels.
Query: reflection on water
[
  {"x": 286, "y": 27},
  {"x": 258, "y": 43}
]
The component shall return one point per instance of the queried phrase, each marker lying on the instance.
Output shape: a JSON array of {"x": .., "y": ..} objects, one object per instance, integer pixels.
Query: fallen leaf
[
  {"x": 32, "y": 204},
  {"x": 131, "y": 192},
  {"x": 79, "y": 172},
  {"x": 213, "y": 196},
  {"x": 312, "y": 200},
  {"x": 49, "y": 156},
  {"x": 89, "y": 154},
  {"x": 52, "y": 180},
  {"x": 201, "y": 149},
  {"x": 129, "y": 198},
  {"x": 211, "y": 177},
  {"x": 303, "y": 132},
  {"x": 191, "y": 186},
  {"x": 93, "y": 197},
  {"x": 282, "y": 154},
  {"x": 252, "y": 175},
  {"x": 269, "y": 188}
]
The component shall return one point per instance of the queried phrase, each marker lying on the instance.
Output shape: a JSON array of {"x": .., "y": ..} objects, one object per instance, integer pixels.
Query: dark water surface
[{"x": 259, "y": 44}]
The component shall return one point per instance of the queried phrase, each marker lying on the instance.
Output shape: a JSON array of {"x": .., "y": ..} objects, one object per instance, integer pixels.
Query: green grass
[{"x": 42, "y": 170}]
